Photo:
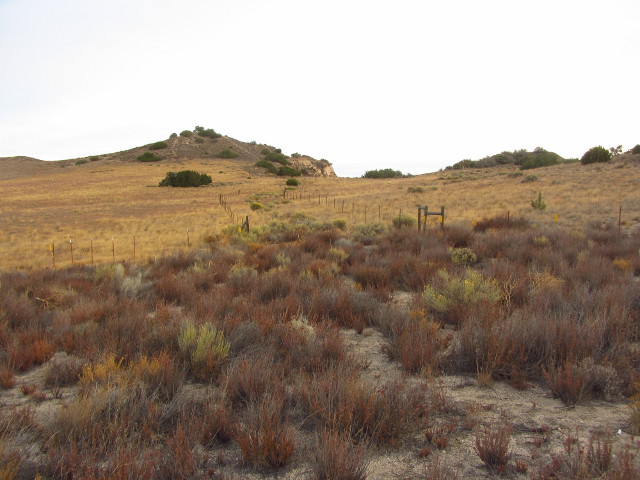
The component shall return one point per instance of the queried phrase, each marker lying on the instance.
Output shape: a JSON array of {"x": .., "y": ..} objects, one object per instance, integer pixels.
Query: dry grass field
[
  {"x": 109, "y": 202},
  {"x": 326, "y": 343}
]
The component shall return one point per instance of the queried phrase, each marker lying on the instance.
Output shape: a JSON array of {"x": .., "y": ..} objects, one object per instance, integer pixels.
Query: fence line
[{"x": 85, "y": 250}]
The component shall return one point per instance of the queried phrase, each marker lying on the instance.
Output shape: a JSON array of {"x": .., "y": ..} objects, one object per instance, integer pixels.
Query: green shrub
[
  {"x": 94, "y": 158},
  {"x": 415, "y": 190},
  {"x": 596, "y": 155},
  {"x": 383, "y": 173},
  {"x": 256, "y": 206},
  {"x": 81, "y": 162},
  {"x": 404, "y": 220},
  {"x": 265, "y": 151},
  {"x": 292, "y": 182},
  {"x": 185, "y": 178},
  {"x": 539, "y": 203},
  {"x": 186, "y": 133},
  {"x": 448, "y": 292},
  {"x": 530, "y": 178},
  {"x": 268, "y": 166},
  {"x": 288, "y": 172},
  {"x": 340, "y": 224},
  {"x": 636, "y": 150},
  {"x": 148, "y": 157},
  {"x": 540, "y": 158},
  {"x": 199, "y": 140},
  {"x": 227, "y": 153},
  {"x": 462, "y": 164},
  {"x": 367, "y": 232},
  {"x": 204, "y": 347},
  {"x": 463, "y": 256},
  {"x": 277, "y": 157},
  {"x": 158, "y": 146},
  {"x": 295, "y": 155},
  {"x": 209, "y": 133},
  {"x": 173, "y": 135}
]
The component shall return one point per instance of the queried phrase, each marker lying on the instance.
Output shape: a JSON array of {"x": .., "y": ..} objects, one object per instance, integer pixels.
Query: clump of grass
[
  {"x": 492, "y": 446},
  {"x": 338, "y": 401},
  {"x": 453, "y": 296},
  {"x": 415, "y": 342},
  {"x": 7, "y": 377},
  {"x": 336, "y": 457},
  {"x": 635, "y": 410},
  {"x": 404, "y": 220},
  {"x": 63, "y": 372},
  {"x": 205, "y": 348},
  {"x": 568, "y": 382},
  {"x": 266, "y": 440},
  {"x": 500, "y": 222}
]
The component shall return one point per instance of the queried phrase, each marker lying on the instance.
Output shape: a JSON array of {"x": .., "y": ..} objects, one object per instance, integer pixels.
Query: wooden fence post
[
  {"x": 620, "y": 219},
  {"x": 442, "y": 218},
  {"x": 71, "y": 248}
]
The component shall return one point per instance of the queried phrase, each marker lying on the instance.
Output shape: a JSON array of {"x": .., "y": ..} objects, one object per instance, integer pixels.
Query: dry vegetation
[
  {"x": 320, "y": 345},
  {"x": 109, "y": 202},
  {"x": 246, "y": 358}
]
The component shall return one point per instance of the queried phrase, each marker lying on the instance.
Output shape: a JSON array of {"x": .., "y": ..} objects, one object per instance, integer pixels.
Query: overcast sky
[{"x": 412, "y": 85}]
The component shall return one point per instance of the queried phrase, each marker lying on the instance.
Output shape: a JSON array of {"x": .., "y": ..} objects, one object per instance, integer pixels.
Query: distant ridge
[{"x": 178, "y": 148}]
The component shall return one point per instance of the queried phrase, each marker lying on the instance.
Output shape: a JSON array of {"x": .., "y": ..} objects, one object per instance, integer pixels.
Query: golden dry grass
[{"x": 108, "y": 204}]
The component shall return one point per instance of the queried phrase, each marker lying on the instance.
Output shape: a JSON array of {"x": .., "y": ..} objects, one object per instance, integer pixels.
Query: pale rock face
[{"x": 315, "y": 168}]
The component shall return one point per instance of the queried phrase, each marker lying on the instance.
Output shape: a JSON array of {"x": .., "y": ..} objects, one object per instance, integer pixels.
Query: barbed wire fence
[{"x": 90, "y": 250}]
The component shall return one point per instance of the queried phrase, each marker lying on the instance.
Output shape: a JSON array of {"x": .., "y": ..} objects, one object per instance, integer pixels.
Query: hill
[{"x": 178, "y": 149}]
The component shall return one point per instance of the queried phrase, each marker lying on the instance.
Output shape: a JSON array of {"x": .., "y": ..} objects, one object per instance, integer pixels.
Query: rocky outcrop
[{"x": 312, "y": 167}]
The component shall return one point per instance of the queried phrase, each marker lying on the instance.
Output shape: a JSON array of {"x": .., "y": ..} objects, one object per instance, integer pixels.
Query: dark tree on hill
[
  {"x": 383, "y": 173},
  {"x": 185, "y": 178}
]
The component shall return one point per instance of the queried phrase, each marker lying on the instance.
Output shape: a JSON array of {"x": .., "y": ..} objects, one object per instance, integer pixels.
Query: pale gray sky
[{"x": 412, "y": 85}]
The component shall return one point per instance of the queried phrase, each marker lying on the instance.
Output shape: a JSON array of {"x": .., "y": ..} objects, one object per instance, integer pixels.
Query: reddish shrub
[
  {"x": 568, "y": 383},
  {"x": 177, "y": 289},
  {"x": 7, "y": 377},
  {"x": 336, "y": 457},
  {"x": 63, "y": 372},
  {"x": 492, "y": 446},
  {"x": 501, "y": 222},
  {"x": 266, "y": 440},
  {"x": 249, "y": 379}
]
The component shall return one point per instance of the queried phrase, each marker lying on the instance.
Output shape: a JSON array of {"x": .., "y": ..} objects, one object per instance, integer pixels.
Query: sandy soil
[{"x": 540, "y": 423}]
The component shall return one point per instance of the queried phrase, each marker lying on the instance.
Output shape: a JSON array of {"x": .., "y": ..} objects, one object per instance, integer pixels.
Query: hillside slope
[{"x": 178, "y": 149}]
